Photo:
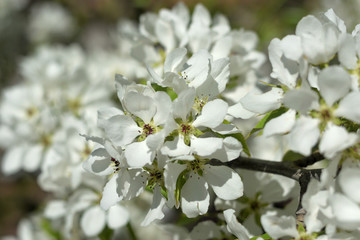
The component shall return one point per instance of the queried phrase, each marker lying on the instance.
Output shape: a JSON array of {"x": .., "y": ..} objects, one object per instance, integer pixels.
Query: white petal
[
  {"x": 225, "y": 182},
  {"x": 206, "y": 146},
  {"x": 156, "y": 209},
  {"x": 195, "y": 197},
  {"x": 278, "y": 227},
  {"x": 134, "y": 183},
  {"x": 281, "y": 67},
  {"x": 198, "y": 69},
  {"x": 262, "y": 103},
  {"x": 208, "y": 88},
  {"x": 238, "y": 111},
  {"x": 234, "y": 226},
  {"x": 222, "y": 47},
  {"x": 347, "y": 213},
  {"x": 176, "y": 147},
  {"x": 154, "y": 76},
  {"x": 174, "y": 59},
  {"x": 336, "y": 139},
  {"x": 281, "y": 124},
  {"x": 304, "y": 135},
  {"x": 165, "y": 34},
  {"x": 201, "y": 14},
  {"x": 145, "y": 53},
  {"x": 25, "y": 230},
  {"x": 183, "y": 103},
  {"x": 317, "y": 49},
  {"x": 106, "y": 113},
  {"x": 163, "y": 107},
  {"x": 220, "y": 71},
  {"x": 291, "y": 47},
  {"x": 98, "y": 162},
  {"x": 231, "y": 149},
  {"x": 117, "y": 216},
  {"x": 110, "y": 196},
  {"x": 155, "y": 141},
  {"x": 140, "y": 105},
  {"x": 212, "y": 114},
  {"x": 171, "y": 173},
  {"x": 112, "y": 151},
  {"x": 122, "y": 130},
  {"x": 138, "y": 154},
  {"x": 94, "y": 139},
  {"x": 55, "y": 209},
  {"x": 330, "y": 14},
  {"x": 302, "y": 100},
  {"x": 347, "y": 52},
  {"x": 349, "y": 180},
  {"x": 122, "y": 84},
  {"x": 93, "y": 221},
  {"x": 226, "y": 129},
  {"x": 334, "y": 83},
  {"x": 176, "y": 82},
  {"x": 33, "y": 157},
  {"x": 12, "y": 161},
  {"x": 349, "y": 107}
]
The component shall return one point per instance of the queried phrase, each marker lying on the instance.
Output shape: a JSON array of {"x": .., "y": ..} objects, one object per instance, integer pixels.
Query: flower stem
[{"x": 131, "y": 231}]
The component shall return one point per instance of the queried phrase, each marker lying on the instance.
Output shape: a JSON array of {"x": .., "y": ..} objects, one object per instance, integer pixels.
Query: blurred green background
[{"x": 269, "y": 19}]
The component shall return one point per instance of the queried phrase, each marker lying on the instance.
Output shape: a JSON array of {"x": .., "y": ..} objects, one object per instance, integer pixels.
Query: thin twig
[
  {"x": 293, "y": 170},
  {"x": 286, "y": 169}
]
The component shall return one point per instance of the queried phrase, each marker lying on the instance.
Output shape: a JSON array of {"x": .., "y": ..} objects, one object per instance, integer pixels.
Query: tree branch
[
  {"x": 293, "y": 170},
  {"x": 287, "y": 169}
]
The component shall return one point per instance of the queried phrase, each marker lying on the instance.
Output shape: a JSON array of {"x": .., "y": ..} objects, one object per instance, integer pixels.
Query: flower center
[
  {"x": 46, "y": 140},
  {"x": 86, "y": 151},
  {"x": 197, "y": 165},
  {"x": 147, "y": 129},
  {"x": 31, "y": 111},
  {"x": 185, "y": 128},
  {"x": 199, "y": 103},
  {"x": 74, "y": 105},
  {"x": 116, "y": 164},
  {"x": 155, "y": 176}
]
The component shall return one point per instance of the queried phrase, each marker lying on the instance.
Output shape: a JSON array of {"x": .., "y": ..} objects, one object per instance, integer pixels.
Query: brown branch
[
  {"x": 286, "y": 169},
  {"x": 293, "y": 170}
]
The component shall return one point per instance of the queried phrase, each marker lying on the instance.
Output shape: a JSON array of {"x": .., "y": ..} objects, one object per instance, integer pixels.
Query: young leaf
[
  {"x": 267, "y": 118},
  {"x": 179, "y": 184},
  {"x": 264, "y": 236}
]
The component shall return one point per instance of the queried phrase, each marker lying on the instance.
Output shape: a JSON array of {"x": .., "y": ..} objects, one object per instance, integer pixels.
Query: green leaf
[
  {"x": 242, "y": 140},
  {"x": 264, "y": 236},
  {"x": 185, "y": 221},
  {"x": 46, "y": 226},
  {"x": 168, "y": 90},
  {"x": 291, "y": 156},
  {"x": 106, "y": 233},
  {"x": 179, "y": 184},
  {"x": 164, "y": 192},
  {"x": 267, "y": 118},
  {"x": 171, "y": 93}
]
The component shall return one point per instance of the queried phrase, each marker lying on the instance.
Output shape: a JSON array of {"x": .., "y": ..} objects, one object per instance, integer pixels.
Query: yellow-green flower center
[
  {"x": 199, "y": 103},
  {"x": 147, "y": 129}
]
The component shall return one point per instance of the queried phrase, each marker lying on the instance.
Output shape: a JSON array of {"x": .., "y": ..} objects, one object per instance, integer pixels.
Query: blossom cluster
[{"x": 188, "y": 98}]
